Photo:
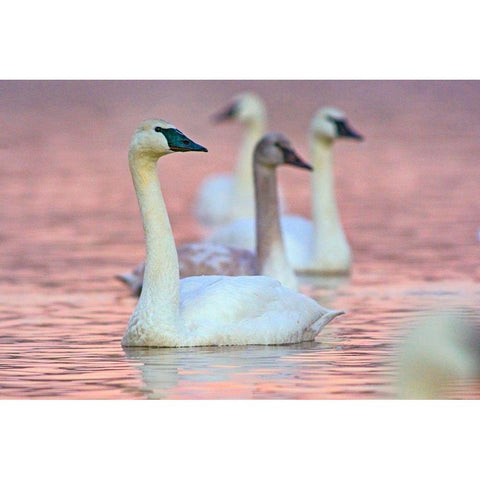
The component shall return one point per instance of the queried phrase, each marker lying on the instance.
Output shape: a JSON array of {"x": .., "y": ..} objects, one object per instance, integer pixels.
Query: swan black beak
[
  {"x": 226, "y": 114},
  {"x": 179, "y": 142},
  {"x": 290, "y": 157},
  {"x": 344, "y": 130}
]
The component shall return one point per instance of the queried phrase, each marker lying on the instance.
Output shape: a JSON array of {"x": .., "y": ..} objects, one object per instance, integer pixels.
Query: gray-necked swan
[
  {"x": 204, "y": 310},
  {"x": 273, "y": 150},
  {"x": 225, "y": 197},
  {"x": 318, "y": 245}
]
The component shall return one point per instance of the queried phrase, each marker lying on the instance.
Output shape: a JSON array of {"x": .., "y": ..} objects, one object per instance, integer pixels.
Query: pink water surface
[{"x": 408, "y": 196}]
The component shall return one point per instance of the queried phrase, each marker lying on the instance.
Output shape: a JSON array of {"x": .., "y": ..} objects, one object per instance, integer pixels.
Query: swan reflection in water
[{"x": 240, "y": 368}]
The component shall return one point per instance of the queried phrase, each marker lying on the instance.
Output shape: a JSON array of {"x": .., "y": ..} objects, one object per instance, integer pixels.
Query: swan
[
  {"x": 438, "y": 352},
  {"x": 320, "y": 245},
  {"x": 202, "y": 310},
  {"x": 224, "y": 197},
  {"x": 272, "y": 151}
]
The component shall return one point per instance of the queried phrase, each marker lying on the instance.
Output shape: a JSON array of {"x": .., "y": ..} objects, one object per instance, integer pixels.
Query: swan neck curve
[
  {"x": 271, "y": 256},
  {"x": 161, "y": 284}
]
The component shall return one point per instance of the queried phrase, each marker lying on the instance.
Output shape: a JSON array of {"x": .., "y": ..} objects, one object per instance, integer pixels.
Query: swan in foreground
[
  {"x": 204, "y": 310},
  {"x": 438, "y": 353},
  {"x": 224, "y": 197},
  {"x": 320, "y": 245},
  {"x": 273, "y": 150}
]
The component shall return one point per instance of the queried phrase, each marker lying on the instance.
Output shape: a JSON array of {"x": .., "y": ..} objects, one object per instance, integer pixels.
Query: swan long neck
[
  {"x": 161, "y": 285},
  {"x": 243, "y": 176},
  {"x": 326, "y": 219},
  {"x": 270, "y": 249}
]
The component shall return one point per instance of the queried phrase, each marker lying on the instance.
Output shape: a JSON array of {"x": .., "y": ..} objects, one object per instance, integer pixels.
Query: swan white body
[
  {"x": 312, "y": 246},
  {"x": 219, "y": 310},
  {"x": 208, "y": 310},
  {"x": 224, "y": 197}
]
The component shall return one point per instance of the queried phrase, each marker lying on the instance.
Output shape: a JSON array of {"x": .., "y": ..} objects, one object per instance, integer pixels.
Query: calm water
[{"x": 70, "y": 222}]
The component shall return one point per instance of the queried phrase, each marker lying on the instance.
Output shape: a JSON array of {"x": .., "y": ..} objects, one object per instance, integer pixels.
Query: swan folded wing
[
  {"x": 247, "y": 310},
  {"x": 213, "y": 259}
]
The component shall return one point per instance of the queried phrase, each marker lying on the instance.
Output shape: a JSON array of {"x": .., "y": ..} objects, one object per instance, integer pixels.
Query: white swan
[
  {"x": 207, "y": 310},
  {"x": 439, "y": 352},
  {"x": 273, "y": 150},
  {"x": 224, "y": 197},
  {"x": 317, "y": 246}
]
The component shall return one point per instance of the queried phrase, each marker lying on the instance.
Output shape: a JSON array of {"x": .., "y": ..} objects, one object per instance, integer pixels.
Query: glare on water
[{"x": 408, "y": 198}]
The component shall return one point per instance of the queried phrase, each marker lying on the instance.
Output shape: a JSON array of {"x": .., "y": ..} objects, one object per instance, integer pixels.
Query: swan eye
[{"x": 158, "y": 129}]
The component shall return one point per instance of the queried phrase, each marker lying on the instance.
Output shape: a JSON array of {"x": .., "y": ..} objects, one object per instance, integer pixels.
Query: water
[{"x": 408, "y": 197}]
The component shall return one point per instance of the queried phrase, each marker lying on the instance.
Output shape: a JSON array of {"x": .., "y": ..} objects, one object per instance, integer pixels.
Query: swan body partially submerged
[{"x": 205, "y": 310}]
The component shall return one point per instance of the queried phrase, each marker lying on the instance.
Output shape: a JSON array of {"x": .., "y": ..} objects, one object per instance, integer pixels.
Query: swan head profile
[
  {"x": 246, "y": 107},
  {"x": 331, "y": 123},
  {"x": 155, "y": 138},
  {"x": 274, "y": 149}
]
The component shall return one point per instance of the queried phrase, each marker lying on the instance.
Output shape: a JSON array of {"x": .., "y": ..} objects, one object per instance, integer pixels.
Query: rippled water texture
[{"x": 408, "y": 195}]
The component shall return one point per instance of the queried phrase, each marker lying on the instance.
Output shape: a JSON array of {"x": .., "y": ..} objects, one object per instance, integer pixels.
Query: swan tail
[{"x": 325, "y": 320}]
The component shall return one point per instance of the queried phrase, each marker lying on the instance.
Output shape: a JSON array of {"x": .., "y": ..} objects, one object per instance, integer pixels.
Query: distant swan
[
  {"x": 210, "y": 259},
  {"x": 225, "y": 197},
  {"x": 439, "y": 352},
  {"x": 317, "y": 246},
  {"x": 208, "y": 310}
]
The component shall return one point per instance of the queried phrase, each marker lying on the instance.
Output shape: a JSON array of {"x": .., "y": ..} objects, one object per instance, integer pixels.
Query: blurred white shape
[{"x": 440, "y": 351}]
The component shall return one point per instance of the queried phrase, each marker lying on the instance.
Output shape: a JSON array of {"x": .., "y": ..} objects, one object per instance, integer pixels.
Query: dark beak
[
  {"x": 290, "y": 157},
  {"x": 179, "y": 142},
  {"x": 344, "y": 130},
  {"x": 226, "y": 114}
]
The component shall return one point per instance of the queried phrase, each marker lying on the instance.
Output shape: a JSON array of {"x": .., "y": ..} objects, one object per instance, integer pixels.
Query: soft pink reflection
[{"x": 408, "y": 196}]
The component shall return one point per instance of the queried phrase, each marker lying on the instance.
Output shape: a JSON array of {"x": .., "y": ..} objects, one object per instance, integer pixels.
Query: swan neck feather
[
  {"x": 326, "y": 219},
  {"x": 271, "y": 255},
  {"x": 160, "y": 291},
  {"x": 243, "y": 177}
]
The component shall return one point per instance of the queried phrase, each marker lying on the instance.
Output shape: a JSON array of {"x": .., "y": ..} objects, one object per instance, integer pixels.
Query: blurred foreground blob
[{"x": 440, "y": 353}]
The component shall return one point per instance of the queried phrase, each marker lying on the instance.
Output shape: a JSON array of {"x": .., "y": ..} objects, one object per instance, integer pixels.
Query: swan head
[
  {"x": 155, "y": 138},
  {"x": 331, "y": 123},
  {"x": 246, "y": 107},
  {"x": 274, "y": 149}
]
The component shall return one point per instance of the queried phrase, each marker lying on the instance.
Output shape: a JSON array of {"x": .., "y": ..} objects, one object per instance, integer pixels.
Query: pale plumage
[
  {"x": 317, "y": 246},
  {"x": 439, "y": 352},
  {"x": 219, "y": 310},
  {"x": 208, "y": 310}
]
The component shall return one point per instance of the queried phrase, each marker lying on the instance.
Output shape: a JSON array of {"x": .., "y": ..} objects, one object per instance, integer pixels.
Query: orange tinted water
[{"x": 408, "y": 196}]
